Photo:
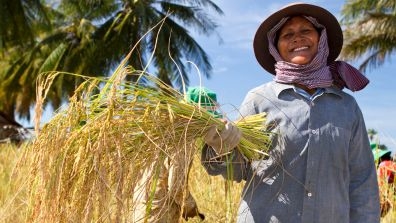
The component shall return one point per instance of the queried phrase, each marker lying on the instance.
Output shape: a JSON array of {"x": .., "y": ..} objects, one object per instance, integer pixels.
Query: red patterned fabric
[
  {"x": 386, "y": 171},
  {"x": 345, "y": 75}
]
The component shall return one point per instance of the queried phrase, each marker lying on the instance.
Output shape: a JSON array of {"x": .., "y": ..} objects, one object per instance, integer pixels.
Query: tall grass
[
  {"x": 388, "y": 200},
  {"x": 13, "y": 185},
  {"x": 92, "y": 159},
  {"x": 209, "y": 191},
  {"x": 217, "y": 198}
]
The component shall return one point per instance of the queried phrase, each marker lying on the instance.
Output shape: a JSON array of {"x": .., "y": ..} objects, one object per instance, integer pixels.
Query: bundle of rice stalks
[{"x": 97, "y": 159}]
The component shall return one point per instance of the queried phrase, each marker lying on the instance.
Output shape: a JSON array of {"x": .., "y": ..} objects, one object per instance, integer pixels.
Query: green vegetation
[
  {"x": 91, "y": 38},
  {"x": 370, "y": 31}
]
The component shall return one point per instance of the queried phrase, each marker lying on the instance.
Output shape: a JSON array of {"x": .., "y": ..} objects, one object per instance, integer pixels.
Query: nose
[{"x": 297, "y": 37}]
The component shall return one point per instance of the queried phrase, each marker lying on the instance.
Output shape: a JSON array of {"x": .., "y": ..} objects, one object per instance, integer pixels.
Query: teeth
[{"x": 300, "y": 48}]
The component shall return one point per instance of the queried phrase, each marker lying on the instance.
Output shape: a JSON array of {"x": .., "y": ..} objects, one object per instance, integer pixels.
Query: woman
[{"x": 320, "y": 168}]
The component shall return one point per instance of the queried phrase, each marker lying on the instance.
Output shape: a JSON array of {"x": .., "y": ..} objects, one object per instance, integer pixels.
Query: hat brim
[
  {"x": 324, "y": 17},
  {"x": 378, "y": 153}
]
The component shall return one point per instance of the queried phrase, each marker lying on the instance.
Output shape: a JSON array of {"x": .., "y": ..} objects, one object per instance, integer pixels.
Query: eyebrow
[{"x": 303, "y": 25}]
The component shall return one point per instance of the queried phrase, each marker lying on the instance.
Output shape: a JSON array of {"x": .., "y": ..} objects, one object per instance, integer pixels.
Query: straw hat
[{"x": 324, "y": 17}]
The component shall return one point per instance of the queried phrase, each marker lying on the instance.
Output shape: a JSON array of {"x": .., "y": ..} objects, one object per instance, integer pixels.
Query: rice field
[
  {"x": 216, "y": 202},
  {"x": 209, "y": 192},
  {"x": 105, "y": 156},
  {"x": 88, "y": 162}
]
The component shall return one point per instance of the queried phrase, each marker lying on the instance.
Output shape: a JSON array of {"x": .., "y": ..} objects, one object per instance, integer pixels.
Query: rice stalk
[{"x": 93, "y": 159}]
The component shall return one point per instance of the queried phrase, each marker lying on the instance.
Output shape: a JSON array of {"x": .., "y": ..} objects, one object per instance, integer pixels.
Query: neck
[{"x": 310, "y": 91}]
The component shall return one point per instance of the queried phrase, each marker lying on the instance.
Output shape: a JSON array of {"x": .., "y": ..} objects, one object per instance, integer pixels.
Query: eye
[
  {"x": 306, "y": 31},
  {"x": 287, "y": 35}
]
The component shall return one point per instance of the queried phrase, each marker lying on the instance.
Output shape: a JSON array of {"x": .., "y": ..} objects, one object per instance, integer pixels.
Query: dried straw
[{"x": 89, "y": 162}]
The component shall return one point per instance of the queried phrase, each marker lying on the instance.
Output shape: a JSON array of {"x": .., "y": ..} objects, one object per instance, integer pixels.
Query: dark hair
[{"x": 386, "y": 156}]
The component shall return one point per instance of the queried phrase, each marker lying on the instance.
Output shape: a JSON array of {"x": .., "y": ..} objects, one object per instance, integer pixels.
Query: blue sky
[{"x": 236, "y": 70}]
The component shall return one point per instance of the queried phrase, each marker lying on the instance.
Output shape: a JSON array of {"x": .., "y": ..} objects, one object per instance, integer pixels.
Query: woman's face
[{"x": 298, "y": 41}]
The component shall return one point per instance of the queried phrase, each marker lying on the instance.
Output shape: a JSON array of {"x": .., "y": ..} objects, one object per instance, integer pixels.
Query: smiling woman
[
  {"x": 298, "y": 41},
  {"x": 320, "y": 166}
]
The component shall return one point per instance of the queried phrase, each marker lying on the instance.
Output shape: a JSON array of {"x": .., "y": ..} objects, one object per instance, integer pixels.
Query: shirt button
[{"x": 309, "y": 194}]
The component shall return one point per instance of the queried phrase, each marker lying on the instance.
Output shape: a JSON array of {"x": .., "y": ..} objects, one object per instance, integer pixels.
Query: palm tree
[
  {"x": 370, "y": 31},
  {"x": 92, "y": 37},
  {"x": 371, "y": 133},
  {"x": 21, "y": 21}
]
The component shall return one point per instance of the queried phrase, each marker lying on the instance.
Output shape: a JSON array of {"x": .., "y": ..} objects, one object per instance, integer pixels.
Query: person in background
[
  {"x": 320, "y": 167},
  {"x": 380, "y": 152},
  {"x": 205, "y": 98},
  {"x": 386, "y": 171}
]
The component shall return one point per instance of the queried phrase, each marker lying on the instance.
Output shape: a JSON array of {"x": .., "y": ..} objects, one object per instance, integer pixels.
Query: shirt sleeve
[{"x": 363, "y": 187}]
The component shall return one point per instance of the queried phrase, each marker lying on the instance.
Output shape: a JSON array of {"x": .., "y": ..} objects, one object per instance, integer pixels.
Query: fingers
[
  {"x": 212, "y": 135},
  {"x": 228, "y": 131},
  {"x": 231, "y": 135}
]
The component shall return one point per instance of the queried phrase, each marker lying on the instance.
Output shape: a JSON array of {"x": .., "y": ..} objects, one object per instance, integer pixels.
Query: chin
[{"x": 300, "y": 61}]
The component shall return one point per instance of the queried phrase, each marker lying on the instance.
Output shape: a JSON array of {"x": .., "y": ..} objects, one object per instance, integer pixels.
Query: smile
[{"x": 300, "y": 49}]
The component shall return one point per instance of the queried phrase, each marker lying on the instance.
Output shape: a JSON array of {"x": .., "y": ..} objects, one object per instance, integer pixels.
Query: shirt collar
[
  {"x": 302, "y": 92},
  {"x": 279, "y": 87}
]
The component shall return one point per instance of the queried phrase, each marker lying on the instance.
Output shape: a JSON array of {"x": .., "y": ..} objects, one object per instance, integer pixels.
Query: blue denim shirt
[{"x": 320, "y": 167}]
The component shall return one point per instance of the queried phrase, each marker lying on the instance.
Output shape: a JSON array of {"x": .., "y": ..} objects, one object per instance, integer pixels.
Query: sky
[{"x": 236, "y": 71}]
